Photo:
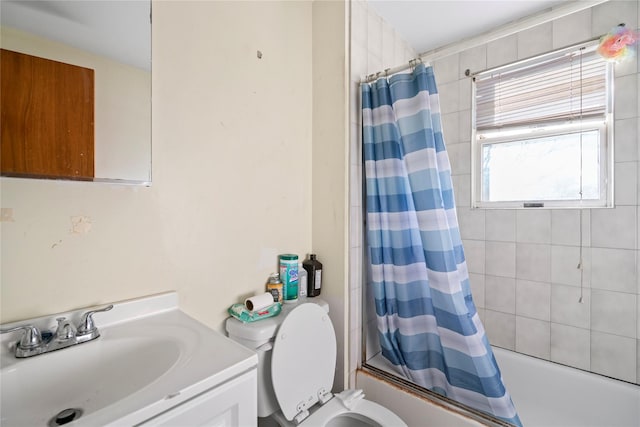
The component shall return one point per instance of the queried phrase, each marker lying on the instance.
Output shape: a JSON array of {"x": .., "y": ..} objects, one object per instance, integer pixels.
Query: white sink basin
[{"x": 139, "y": 367}]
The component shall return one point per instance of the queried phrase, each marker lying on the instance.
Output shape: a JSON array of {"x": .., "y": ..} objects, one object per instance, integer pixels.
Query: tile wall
[
  {"x": 523, "y": 263},
  {"x": 374, "y": 46}
]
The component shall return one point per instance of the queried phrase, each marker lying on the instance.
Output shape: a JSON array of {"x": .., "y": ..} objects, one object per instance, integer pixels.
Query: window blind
[{"x": 559, "y": 87}]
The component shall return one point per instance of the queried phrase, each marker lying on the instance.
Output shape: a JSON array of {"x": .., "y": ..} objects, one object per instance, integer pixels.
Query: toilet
[{"x": 296, "y": 365}]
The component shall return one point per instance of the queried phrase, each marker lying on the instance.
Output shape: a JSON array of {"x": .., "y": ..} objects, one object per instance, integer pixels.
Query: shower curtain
[{"x": 427, "y": 321}]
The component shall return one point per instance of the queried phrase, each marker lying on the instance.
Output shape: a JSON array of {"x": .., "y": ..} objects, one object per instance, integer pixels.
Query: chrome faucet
[{"x": 33, "y": 342}]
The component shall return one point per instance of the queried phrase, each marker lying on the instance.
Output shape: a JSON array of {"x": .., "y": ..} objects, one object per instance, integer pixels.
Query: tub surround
[
  {"x": 522, "y": 263},
  {"x": 547, "y": 394}
]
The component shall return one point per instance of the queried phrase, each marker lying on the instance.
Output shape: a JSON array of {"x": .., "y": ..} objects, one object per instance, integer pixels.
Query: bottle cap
[{"x": 289, "y": 257}]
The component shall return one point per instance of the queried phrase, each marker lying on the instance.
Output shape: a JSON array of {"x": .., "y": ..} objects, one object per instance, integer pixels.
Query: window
[{"x": 542, "y": 133}]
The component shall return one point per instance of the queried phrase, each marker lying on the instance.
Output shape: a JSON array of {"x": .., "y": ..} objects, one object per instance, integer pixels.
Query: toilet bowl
[{"x": 297, "y": 356}]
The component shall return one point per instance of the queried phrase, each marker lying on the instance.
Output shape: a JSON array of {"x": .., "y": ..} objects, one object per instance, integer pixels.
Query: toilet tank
[{"x": 259, "y": 336}]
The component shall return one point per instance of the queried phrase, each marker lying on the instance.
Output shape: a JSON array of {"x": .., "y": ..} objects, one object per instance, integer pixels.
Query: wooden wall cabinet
[{"x": 47, "y": 118}]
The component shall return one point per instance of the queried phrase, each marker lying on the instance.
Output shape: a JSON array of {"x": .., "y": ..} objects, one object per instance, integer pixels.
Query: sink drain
[{"x": 65, "y": 416}]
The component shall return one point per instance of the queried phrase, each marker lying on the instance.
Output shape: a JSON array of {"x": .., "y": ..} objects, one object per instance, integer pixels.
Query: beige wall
[
  {"x": 122, "y": 105},
  {"x": 330, "y": 163},
  {"x": 232, "y": 179}
]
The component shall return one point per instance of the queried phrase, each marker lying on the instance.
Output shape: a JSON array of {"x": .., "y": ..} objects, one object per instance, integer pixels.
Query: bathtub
[{"x": 548, "y": 394}]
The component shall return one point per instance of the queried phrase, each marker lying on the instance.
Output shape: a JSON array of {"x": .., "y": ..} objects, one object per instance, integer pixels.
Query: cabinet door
[
  {"x": 232, "y": 404},
  {"x": 47, "y": 111}
]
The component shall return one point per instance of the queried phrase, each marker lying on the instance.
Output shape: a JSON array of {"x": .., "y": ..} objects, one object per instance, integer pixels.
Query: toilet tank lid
[{"x": 265, "y": 329}]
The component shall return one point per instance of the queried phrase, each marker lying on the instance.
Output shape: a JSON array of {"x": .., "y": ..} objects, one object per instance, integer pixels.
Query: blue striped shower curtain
[{"x": 427, "y": 321}]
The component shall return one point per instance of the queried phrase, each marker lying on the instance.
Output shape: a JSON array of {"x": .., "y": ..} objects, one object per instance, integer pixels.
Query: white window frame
[{"x": 513, "y": 134}]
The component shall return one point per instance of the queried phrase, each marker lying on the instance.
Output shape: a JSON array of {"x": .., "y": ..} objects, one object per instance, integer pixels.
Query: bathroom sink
[{"x": 138, "y": 367}]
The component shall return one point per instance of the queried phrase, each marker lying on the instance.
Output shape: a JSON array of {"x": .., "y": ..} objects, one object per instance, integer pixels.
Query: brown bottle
[{"x": 314, "y": 273}]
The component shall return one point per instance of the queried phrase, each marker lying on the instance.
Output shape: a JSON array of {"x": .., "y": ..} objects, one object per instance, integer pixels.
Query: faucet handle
[
  {"x": 87, "y": 327},
  {"x": 30, "y": 339},
  {"x": 65, "y": 330}
]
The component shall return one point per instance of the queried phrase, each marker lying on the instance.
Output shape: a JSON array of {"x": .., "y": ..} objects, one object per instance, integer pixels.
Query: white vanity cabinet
[
  {"x": 152, "y": 365},
  {"x": 231, "y": 404}
]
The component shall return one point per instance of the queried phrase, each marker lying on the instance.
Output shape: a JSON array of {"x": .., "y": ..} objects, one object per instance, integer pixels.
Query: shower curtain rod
[{"x": 503, "y": 31}]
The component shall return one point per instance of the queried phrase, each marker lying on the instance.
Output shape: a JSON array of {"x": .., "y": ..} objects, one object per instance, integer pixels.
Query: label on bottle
[
  {"x": 276, "y": 291},
  {"x": 289, "y": 277},
  {"x": 318, "y": 281}
]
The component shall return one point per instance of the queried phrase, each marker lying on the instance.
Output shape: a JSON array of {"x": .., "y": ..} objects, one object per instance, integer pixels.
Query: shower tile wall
[
  {"x": 522, "y": 263},
  {"x": 374, "y": 46}
]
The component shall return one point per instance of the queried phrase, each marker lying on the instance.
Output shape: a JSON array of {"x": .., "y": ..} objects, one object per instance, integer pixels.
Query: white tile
[
  {"x": 465, "y": 94},
  {"x": 626, "y": 97},
  {"x": 358, "y": 61},
  {"x": 464, "y": 126},
  {"x": 476, "y": 282},
  {"x": 572, "y": 29},
  {"x": 564, "y": 265},
  {"x": 566, "y": 308},
  {"x": 626, "y": 183},
  {"x": 625, "y": 67},
  {"x": 401, "y": 48},
  {"x": 471, "y": 223},
  {"x": 356, "y": 228},
  {"x": 626, "y": 147},
  {"x": 614, "y": 312},
  {"x": 638, "y": 316},
  {"x": 533, "y": 299},
  {"x": 613, "y": 270},
  {"x": 449, "y": 97},
  {"x": 450, "y": 128},
  {"x": 359, "y": 22},
  {"x": 446, "y": 69},
  {"x": 355, "y": 188},
  {"x": 474, "y": 60},
  {"x": 500, "y": 294},
  {"x": 500, "y": 329},
  {"x": 474, "y": 252},
  {"x": 613, "y": 356},
  {"x": 614, "y": 228},
  {"x": 355, "y": 140},
  {"x": 501, "y": 259},
  {"x": 369, "y": 304},
  {"x": 374, "y": 35},
  {"x": 373, "y": 340},
  {"x": 609, "y": 14},
  {"x": 533, "y": 226},
  {"x": 460, "y": 158},
  {"x": 533, "y": 262},
  {"x": 356, "y": 302},
  {"x": 533, "y": 337},
  {"x": 462, "y": 189},
  {"x": 501, "y": 225},
  {"x": 388, "y": 45},
  {"x": 356, "y": 270},
  {"x": 565, "y": 227},
  {"x": 354, "y": 349},
  {"x": 502, "y": 51},
  {"x": 571, "y": 346},
  {"x": 535, "y": 41},
  {"x": 638, "y": 362},
  {"x": 374, "y": 63}
]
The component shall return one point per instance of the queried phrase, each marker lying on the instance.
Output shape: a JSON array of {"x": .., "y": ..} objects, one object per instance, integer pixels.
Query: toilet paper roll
[{"x": 258, "y": 302}]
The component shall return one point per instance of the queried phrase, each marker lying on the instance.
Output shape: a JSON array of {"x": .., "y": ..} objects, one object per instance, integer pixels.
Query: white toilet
[{"x": 297, "y": 357}]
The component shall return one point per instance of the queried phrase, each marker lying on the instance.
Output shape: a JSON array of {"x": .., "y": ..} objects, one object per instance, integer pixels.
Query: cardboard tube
[{"x": 258, "y": 302}]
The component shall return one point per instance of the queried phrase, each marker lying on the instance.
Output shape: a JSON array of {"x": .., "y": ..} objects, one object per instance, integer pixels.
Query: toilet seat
[
  {"x": 303, "y": 365},
  {"x": 303, "y": 361},
  {"x": 336, "y": 414}
]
